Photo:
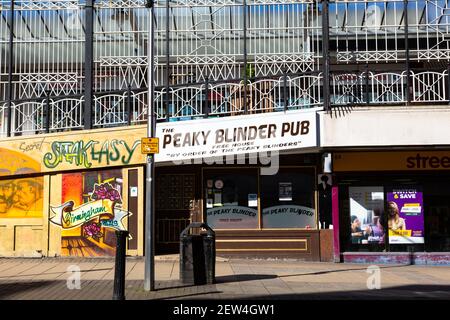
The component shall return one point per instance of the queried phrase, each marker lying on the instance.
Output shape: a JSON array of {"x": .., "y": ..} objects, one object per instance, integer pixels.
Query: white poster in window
[
  {"x": 209, "y": 203},
  {"x": 232, "y": 217},
  {"x": 285, "y": 191},
  {"x": 252, "y": 200},
  {"x": 289, "y": 216},
  {"x": 366, "y": 214},
  {"x": 217, "y": 199}
]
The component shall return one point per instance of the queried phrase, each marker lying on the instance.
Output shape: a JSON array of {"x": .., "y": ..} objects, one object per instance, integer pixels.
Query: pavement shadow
[
  {"x": 53, "y": 273},
  {"x": 176, "y": 284},
  {"x": 405, "y": 292},
  {"x": 337, "y": 271},
  {"x": 200, "y": 295},
  {"x": 11, "y": 288},
  {"x": 244, "y": 277}
]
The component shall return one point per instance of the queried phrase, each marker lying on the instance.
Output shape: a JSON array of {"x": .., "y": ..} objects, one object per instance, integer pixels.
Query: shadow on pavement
[
  {"x": 49, "y": 273},
  {"x": 244, "y": 277},
  {"x": 406, "y": 292},
  {"x": 9, "y": 289},
  {"x": 338, "y": 270},
  {"x": 201, "y": 295},
  {"x": 176, "y": 284}
]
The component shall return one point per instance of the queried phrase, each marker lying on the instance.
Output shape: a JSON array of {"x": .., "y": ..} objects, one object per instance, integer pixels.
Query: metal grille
[
  {"x": 215, "y": 58},
  {"x": 168, "y": 230}
]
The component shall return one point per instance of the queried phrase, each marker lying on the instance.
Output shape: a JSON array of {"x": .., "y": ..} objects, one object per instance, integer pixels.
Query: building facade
[{"x": 307, "y": 129}]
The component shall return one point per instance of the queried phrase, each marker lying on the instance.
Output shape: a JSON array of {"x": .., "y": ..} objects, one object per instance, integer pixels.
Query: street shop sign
[{"x": 246, "y": 134}]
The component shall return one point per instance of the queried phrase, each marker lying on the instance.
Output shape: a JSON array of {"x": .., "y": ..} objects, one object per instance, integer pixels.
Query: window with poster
[
  {"x": 240, "y": 199},
  {"x": 287, "y": 199},
  {"x": 231, "y": 197},
  {"x": 385, "y": 217},
  {"x": 416, "y": 207},
  {"x": 367, "y": 215}
]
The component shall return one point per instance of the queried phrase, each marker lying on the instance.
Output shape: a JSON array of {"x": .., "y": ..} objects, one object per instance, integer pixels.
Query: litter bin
[{"x": 198, "y": 255}]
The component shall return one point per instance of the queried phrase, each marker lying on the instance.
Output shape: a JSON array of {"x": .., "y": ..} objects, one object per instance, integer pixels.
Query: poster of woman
[{"x": 405, "y": 215}]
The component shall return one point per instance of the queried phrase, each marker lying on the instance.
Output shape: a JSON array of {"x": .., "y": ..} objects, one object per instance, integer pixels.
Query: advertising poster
[
  {"x": 405, "y": 215},
  {"x": 366, "y": 215}
]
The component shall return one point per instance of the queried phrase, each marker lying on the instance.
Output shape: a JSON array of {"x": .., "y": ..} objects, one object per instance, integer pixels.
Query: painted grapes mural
[{"x": 90, "y": 212}]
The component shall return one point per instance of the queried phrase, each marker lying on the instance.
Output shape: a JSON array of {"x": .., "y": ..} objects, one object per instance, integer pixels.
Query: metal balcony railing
[
  {"x": 129, "y": 107},
  {"x": 208, "y": 100},
  {"x": 82, "y": 64}
]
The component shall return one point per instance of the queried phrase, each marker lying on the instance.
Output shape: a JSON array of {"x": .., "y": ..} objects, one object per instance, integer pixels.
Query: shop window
[
  {"x": 287, "y": 199},
  {"x": 395, "y": 216},
  {"x": 367, "y": 215},
  {"x": 231, "y": 199}
]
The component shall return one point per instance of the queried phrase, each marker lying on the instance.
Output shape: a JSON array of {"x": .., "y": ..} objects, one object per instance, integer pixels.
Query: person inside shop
[
  {"x": 394, "y": 220},
  {"x": 375, "y": 231},
  {"x": 357, "y": 232}
]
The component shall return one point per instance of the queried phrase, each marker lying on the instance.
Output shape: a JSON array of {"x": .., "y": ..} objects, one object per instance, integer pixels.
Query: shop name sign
[
  {"x": 391, "y": 161},
  {"x": 237, "y": 135}
]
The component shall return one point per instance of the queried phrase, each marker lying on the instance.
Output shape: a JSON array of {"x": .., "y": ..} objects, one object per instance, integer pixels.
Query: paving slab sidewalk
[{"x": 47, "y": 278}]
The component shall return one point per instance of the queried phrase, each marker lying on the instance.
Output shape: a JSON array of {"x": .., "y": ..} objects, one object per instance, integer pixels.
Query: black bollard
[{"x": 119, "y": 269}]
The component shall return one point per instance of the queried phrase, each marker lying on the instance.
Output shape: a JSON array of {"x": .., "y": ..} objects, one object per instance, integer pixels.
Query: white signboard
[{"x": 237, "y": 135}]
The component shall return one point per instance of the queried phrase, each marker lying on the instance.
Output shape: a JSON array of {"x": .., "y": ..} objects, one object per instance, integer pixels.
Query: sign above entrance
[
  {"x": 391, "y": 161},
  {"x": 237, "y": 135},
  {"x": 182, "y": 140}
]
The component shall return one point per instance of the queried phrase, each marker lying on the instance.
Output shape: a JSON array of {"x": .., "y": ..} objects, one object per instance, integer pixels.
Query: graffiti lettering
[
  {"x": 83, "y": 153},
  {"x": 70, "y": 152},
  {"x": 72, "y": 219},
  {"x": 27, "y": 147}
]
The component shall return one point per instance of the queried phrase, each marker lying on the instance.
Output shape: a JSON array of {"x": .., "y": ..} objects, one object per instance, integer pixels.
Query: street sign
[{"x": 149, "y": 145}]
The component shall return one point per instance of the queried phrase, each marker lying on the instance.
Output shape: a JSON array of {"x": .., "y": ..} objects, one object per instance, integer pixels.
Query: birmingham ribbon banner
[{"x": 69, "y": 217}]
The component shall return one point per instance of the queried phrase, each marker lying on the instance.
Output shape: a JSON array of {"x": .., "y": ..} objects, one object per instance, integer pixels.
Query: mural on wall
[
  {"x": 20, "y": 198},
  {"x": 90, "y": 212}
]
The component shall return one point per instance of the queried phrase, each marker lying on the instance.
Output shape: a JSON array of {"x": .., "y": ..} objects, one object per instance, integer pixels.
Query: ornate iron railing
[
  {"x": 128, "y": 107},
  {"x": 214, "y": 58}
]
